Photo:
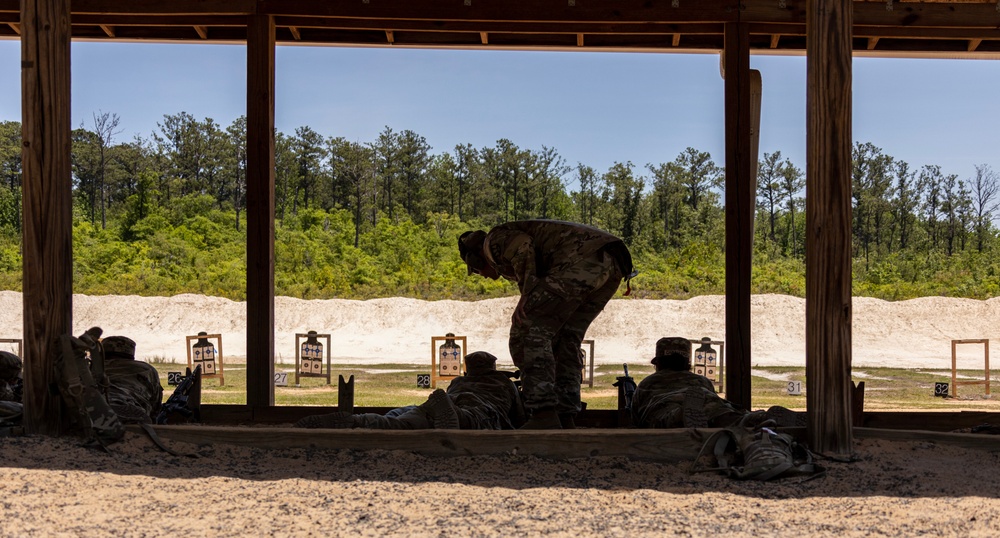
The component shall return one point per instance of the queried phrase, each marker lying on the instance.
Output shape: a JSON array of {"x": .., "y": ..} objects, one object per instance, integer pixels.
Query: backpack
[
  {"x": 86, "y": 403},
  {"x": 757, "y": 454}
]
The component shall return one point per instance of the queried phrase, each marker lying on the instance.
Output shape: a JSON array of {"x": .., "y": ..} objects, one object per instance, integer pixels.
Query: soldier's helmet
[
  {"x": 10, "y": 365},
  {"x": 673, "y": 350},
  {"x": 480, "y": 362},
  {"x": 118, "y": 347}
]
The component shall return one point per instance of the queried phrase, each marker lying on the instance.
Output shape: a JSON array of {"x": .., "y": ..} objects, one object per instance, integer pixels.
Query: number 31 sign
[{"x": 794, "y": 388}]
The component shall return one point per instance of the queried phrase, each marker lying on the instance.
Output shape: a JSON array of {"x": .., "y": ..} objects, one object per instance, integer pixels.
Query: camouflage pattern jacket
[
  {"x": 660, "y": 398},
  {"x": 134, "y": 383},
  {"x": 490, "y": 399},
  {"x": 524, "y": 251}
]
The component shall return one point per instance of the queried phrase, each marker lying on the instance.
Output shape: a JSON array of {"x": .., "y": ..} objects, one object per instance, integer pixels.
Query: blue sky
[{"x": 594, "y": 108}]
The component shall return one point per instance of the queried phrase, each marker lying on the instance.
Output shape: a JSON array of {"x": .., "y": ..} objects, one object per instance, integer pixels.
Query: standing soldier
[{"x": 566, "y": 273}]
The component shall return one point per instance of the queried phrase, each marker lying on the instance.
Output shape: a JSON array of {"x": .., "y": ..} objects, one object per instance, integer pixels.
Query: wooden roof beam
[
  {"x": 15, "y": 26},
  {"x": 867, "y": 13},
  {"x": 774, "y": 40},
  {"x": 174, "y": 7},
  {"x": 202, "y": 31},
  {"x": 389, "y": 36},
  {"x": 621, "y": 11},
  {"x": 579, "y": 40},
  {"x": 108, "y": 30},
  {"x": 676, "y": 41},
  {"x": 295, "y": 33},
  {"x": 533, "y": 27},
  {"x": 974, "y": 43},
  {"x": 484, "y": 37},
  {"x": 872, "y": 42}
]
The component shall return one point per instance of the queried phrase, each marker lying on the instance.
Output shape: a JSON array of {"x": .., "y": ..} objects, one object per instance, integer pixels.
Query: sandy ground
[
  {"x": 54, "y": 487},
  {"x": 906, "y": 334}
]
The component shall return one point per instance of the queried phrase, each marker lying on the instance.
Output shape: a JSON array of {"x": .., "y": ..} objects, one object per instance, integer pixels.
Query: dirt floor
[{"x": 54, "y": 487}]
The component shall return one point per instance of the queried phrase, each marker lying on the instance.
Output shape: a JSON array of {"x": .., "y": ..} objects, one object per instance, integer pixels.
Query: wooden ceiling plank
[
  {"x": 522, "y": 11},
  {"x": 501, "y": 27},
  {"x": 160, "y": 20},
  {"x": 174, "y": 7},
  {"x": 202, "y": 31},
  {"x": 873, "y": 13},
  {"x": 108, "y": 30}
]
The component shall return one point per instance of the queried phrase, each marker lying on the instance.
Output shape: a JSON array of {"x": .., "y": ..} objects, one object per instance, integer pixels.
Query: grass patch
[{"x": 394, "y": 385}]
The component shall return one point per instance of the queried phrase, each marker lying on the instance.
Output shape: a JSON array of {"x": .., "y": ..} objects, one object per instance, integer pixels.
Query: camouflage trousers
[{"x": 546, "y": 346}]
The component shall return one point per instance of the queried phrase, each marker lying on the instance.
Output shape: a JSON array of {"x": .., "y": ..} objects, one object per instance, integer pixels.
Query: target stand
[
  {"x": 954, "y": 365},
  {"x": 309, "y": 356},
  {"x": 207, "y": 355}
]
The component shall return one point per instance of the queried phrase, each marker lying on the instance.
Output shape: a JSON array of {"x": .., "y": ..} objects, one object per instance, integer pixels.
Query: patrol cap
[
  {"x": 10, "y": 365},
  {"x": 470, "y": 244},
  {"x": 672, "y": 346},
  {"x": 119, "y": 346},
  {"x": 480, "y": 361}
]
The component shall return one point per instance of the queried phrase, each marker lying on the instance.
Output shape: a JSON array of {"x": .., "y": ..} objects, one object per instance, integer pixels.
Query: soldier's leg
[
  {"x": 531, "y": 349},
  {"x": 603, "y": 279}
]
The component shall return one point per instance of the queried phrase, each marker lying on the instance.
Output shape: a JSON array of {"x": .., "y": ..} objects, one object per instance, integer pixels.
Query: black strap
[{"x": 151, "y": 432}]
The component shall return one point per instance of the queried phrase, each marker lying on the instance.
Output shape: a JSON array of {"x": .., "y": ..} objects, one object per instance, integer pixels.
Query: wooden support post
[
  {"x": 260, "y": 210},
  {"x": 741, "y": 201},
  {"x": 47, "y": 280},
  {"x": 828, "y": 226}
]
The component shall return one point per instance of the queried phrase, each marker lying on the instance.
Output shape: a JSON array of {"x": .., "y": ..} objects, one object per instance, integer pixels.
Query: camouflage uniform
[
  {"x": 566, "y": 273},
  {"x": 671, "y": 399},
  {"x": 11, "y": 384},
  {"x": 134, "y": 390},
  {"x": 482, "y": 399}
]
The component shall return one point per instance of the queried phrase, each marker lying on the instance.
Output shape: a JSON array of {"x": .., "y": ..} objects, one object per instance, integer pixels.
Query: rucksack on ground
[{"x": 756, "y": 454}]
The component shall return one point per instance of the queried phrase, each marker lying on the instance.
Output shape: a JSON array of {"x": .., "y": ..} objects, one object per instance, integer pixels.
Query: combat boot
[
  {"x": 543, "y": 419},
  {"x": 440, "y": 411}
]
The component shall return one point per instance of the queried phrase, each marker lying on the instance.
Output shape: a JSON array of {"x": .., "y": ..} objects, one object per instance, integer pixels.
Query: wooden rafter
[
  {"x": 202, "y": 31},
  {"x": 872, "y": 43},
  {"x": 774, "y": 40},
  {"x": 15, "y": 26},
  {"x": 579, "y": 40},
  {"x": 295, "y": 33},
  {"x": 974, "y": 44},
  {"x": 676, "y": 40},
  {"x": 484, "y": 37},
  {"x": 389, "y": 36},
  {"x": 108, "y": 30}
]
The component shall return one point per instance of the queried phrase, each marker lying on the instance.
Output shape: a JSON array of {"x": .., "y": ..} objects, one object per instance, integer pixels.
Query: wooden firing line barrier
[
  {"x": 954, "y": 365},
  {"x": 313, "y": 360},
  {"x": 216, "y": 361}
]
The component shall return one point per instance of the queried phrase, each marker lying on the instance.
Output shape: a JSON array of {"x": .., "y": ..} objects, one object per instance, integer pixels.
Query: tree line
[{"x": 165, "y": 214}]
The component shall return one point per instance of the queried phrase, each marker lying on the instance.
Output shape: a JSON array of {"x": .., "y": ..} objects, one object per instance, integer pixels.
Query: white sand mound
[{"x": 911, "y": 334}]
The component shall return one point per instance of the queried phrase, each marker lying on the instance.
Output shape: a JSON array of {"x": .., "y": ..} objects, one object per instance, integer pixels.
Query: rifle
[
  {"x": 626, "y": 389},
  {"x": 185, "y": 401}
]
